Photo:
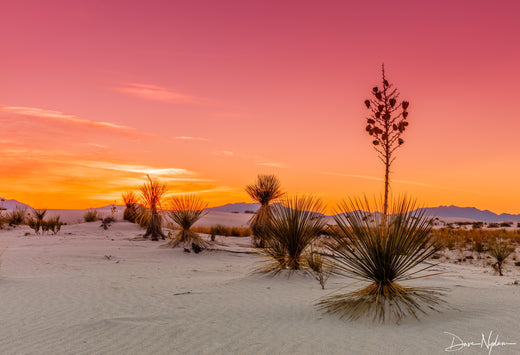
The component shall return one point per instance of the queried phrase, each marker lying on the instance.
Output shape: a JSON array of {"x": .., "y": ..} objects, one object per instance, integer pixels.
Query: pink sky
[{"x": 205, "y": 95}]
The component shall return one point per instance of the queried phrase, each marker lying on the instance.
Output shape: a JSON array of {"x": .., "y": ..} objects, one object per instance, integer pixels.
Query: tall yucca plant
[
  {"x": 266, "y": 189},
  {"x": 131, "y": 202},
  {"x": 295, "y": 223},
  {"x": 185, "y": 211},
  {"x": 383, "y": 250},
  {"x": 151, "y": 194}
]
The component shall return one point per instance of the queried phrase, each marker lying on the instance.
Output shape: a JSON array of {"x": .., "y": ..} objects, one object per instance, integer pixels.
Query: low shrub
[
  {"x": 16, "y": 217},
  {"x": 91, "y": 216},
  {"x": 53, "y": 224}
]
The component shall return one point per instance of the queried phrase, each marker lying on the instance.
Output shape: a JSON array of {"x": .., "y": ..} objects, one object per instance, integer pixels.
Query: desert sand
[{"x": 91, "y": 291}]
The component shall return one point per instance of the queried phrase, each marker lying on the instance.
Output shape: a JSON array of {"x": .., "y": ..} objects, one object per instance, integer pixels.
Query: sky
[{"x": 206, "y": 95}]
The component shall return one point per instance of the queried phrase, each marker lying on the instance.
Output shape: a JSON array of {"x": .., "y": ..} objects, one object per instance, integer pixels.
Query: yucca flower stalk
[
  {"x": 386, "y": 123},
  {"x": 151, "y": 195},
  {"x": 184, "y": 211},
  {"x": 266, "y": 189},
  {"x": 382, "y": 251},
  {"x": 295, "y": 223}
]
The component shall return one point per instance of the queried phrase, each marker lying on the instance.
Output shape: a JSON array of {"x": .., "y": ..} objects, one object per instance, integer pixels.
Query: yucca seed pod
[
  {"x": 392, "y": 102},
  {"x": 405, "y": 105},
  {"x": 386, "y": 116},
  {"x": 384, "y": 136},
  {"x": 380, "y": 108},
  {"x": 368, "y": 128},
  {"x": 405, "y": 114},
  {"x": 379, "y": 96},
  {"x": 378, "y": 114},
  {"x": 367, "y": 103},
  {"x": 371, "y": 121},
  {"x": 401, "y": 141},
  {"x": 375, "y": 89},
  {"x": 375, "y": 142},
  {"x": 394, "y": 126},
  {"x": 405, "y": 123},
  {"x": 385, "y": 82}
]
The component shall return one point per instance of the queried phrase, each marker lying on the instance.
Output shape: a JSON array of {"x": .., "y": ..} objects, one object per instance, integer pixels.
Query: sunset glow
[{"x": 205, "y": 95}]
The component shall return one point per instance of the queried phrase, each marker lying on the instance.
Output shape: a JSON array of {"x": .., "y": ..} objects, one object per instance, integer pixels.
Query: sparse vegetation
[
  {"x": 266, "y": 189},
  {"x": 185, "y": 211},
  {"x": 223, "y": 231},
  {"x": 53, "y": 224},
  {"x": 151, "y": 195},
  {"x": 91, "y": 216},
  {"x": 295, "y": 223},
  {"x": 16, "y": 217},
  {"x": 382, "y": 253}
]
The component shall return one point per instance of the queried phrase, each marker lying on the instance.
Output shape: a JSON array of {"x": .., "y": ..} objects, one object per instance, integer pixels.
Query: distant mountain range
[
  {"x": 11, "y": 204},
  {"x": 441, "y": 212},
  {"x": 243, "y": 207}
]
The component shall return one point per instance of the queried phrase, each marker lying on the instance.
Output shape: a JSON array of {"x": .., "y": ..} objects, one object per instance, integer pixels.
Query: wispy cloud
[
  {"x": 157, "y": 93},
  {"x": 381, "y": 179},
  {"x": 272, "y": 164},
  {"x": 187, "y": 138},
  {"x": 225, "y": 153},
  {"x": 135, "y": 168},
  {"x": 62, "y": 117}
]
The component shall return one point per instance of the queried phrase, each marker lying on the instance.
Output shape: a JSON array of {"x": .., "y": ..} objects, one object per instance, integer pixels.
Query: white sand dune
[{"x": 90, "y": 291}]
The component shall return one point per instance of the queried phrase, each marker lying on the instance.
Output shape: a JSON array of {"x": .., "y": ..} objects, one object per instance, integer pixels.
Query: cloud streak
[
  {"x": 187, "y": 138},
  {"x": 157, "y": 93},
  {"x": 62, "y": 117}
]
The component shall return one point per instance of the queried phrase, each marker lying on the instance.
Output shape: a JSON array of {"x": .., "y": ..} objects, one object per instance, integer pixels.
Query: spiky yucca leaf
[
  {"x": 296, "y": 222},
  {"x": 266, "y": 189},
  {"x": 382, "y": 250},
  {"x": 185, "y": 211},
  {"x": 151, "y": 196}
]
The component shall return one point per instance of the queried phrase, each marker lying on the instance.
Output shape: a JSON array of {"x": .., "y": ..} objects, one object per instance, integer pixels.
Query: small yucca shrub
[
  {"x": 131, "y": 202},
  {"x": 382, "y": 251},
  {"x": 295, "y": 223},
  {"x": 151, "y": 196},
  {"x": 320, "y": 267},
  {"x": 91, "y": 216},
  {"x": 266, "y": 189},
  {"x": 500, "y": 250},
  {"x": 184, "y": 211}
]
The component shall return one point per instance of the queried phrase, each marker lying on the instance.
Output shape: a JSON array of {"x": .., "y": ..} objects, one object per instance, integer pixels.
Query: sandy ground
[{"x": 90, "y": 291}]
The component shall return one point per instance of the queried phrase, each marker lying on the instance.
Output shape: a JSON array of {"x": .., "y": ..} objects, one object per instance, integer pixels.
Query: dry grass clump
[
  {"x": 382, "y": 251},
  {"x": 321, "y": 268},
  {"x": 151, "y": 195},
  {"x": 16, "y": 217},
  {"x": 132, "y": 206},
  {"x": 266, "y": 189},
  {"x": 223, "y": 231},
  {"x": 184, "y": 211},
  {"x": 91, "y": 216},
  {"x": 37, "y": 222},
  {"x": 295, "y": 223}
]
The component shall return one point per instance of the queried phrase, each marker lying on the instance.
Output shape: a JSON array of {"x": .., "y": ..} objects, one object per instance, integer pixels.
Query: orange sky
[{"x": 205, "y": 95}]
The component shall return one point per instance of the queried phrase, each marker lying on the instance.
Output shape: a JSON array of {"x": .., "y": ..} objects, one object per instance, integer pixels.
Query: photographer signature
[{"x": 458, "y": 344}]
